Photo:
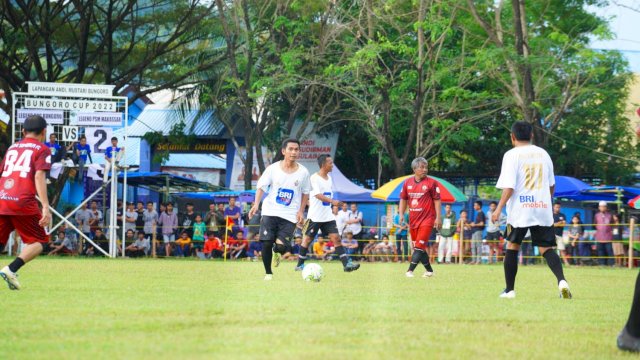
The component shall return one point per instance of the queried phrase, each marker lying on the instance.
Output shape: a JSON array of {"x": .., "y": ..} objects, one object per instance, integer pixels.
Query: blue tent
[
  {"x": 606, "y": 193},
  {"x": 569, "y": 186}
]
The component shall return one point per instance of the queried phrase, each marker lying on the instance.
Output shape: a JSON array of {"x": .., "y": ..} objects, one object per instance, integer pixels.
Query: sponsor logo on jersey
[
  {"x": 438, "y": 189},
  {"x": 424, "y": 187},
  {"x": 410, "y": 187},
  {"x": 327, "y": 194},
  {"x": 8, "y": 184},
  {"x": 284, "y": 196},
  {"x": 529, "y": 201},
  {"x": 5, "y": 196}
]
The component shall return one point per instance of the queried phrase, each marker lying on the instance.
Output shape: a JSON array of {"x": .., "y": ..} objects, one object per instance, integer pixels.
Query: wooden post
[
  {"x": 632, "y": 235},
  {"x": 226, "y": 237},
  {"x": 461, "y": 246}
]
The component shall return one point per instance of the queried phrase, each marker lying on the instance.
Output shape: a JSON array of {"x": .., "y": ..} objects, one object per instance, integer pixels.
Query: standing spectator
[
  {"x": 131, "y": 216},
  {"x": 222, "y": 222},
  {"x": 112, "y": 151},
  {"x": 83, "y": 154},
  {"x": 199, "y": 229},
  {"x": 464, "y": 231},
  {"x": 139, "y": 248},
  {"x": 354, "y": 222},
  {"x": 401, "y": 225},
  {"x": 169, "y": 222},
  {"x": 150, "y": 219},
  {"x": 341, "y": 218},
  {"x": 254, "y": 222},
  {"x": 447, "y": 231},
  {"x": 493, "y": 232},
  {"x": 95, "y": 218},
  {"x": 255, "y": 248},
  {"x": 183, "y": 244},
  {"x": 187, "y": 219},
  {"x": 604, "y": 234},
  {"x": 234, "y": 212},
  {"x": 618, "y": 247},
  {"x": 318, "y": 248},
  {"x": 69, "y": 232},
  {"x": 575, "y": 236},
  {"x": 476, "y": 237},
  {"x": 213, "y": 246},
  {"x": 140, "y": 219},
  {"x": 384, "y": 249},
  {"x": 559, "y": 222},
  {"x": 82, "y": 218},
  {"x": 212, "y": 218}
]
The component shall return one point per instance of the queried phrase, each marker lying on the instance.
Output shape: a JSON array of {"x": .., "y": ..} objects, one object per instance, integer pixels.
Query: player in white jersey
[
  {"x": 287, "y": 183},
  {"x": 320, "y": 217},
  {"x": 527, "y": 184}
]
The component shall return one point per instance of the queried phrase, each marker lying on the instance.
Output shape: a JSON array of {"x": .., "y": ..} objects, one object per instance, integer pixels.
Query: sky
[{"x": 625, "y": 20}]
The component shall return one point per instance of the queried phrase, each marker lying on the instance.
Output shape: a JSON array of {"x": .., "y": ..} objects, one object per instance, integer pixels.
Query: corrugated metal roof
[
  {"x": 162, "y": 120},
  {"x": 200, "y": 161}
]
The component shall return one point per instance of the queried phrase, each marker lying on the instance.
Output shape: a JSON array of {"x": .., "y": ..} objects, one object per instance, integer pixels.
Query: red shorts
[
  {"x": 26, "y": 225},
  {"x": 420, "y": 236}
]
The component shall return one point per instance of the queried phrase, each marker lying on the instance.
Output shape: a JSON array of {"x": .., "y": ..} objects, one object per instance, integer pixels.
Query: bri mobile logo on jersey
[
  {"x": 284, "y": 196},
  {"x": 529, "y": 201}
]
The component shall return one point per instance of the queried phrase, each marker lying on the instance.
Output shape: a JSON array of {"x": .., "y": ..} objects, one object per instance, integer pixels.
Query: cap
[
  {"x": 34, "y": 123},
  {"x": 602, "y": 203}
]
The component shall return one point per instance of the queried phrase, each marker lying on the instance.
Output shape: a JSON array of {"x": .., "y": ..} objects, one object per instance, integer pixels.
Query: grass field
[{"x": 99, "y": 308}]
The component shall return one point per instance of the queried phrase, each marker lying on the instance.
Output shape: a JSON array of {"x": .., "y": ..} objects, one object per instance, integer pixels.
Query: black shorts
[
  {"x": 493, "y": 236},
  {"x": 274, "y": 227},
  {"x": 311, "y": 228},
  {"x": 541, "y": 236}
]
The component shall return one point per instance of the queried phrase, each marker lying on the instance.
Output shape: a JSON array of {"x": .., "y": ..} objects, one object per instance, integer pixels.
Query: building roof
[
  {"x": 199, "y": 161},
  {"x": 199, "y": 123}
]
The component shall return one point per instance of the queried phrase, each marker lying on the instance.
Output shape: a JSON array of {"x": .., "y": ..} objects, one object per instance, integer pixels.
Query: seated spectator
[
  {"x": 238, "y": 248},
  {"x": 62, "y": 245},
  {"x": 212, "y": 246},
  {"x": 129, "y": 238},
  {"x": 183, "y": 245},
  {"x": 295, "y": 249},
  {"x": 318, "y": 248},
  {"x": 199, "y": 229},
  {"x": 329, "y": 250},
  {"x": 255, "y": 248},
  {"x": 99, "y": 239},
  {"x": 369, "y": 250},
  {"x": 385, "y": 249},
  {"x": 139, "y": 248},
  {"x": 349, "y": 243}
]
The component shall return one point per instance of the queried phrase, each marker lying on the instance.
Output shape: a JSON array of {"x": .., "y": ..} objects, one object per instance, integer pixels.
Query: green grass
[{"x": 99, "y": 308}]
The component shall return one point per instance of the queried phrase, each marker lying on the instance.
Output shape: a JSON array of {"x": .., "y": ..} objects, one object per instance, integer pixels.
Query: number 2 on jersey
[
  {"x": 14, "y": 163},
  {"x": 533, "y": 176}
]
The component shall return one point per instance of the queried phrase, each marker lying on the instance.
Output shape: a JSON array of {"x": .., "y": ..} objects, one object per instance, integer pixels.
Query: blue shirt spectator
[
  {"x": 111, "y": 151},
  {"x": 83, "y": 151}
]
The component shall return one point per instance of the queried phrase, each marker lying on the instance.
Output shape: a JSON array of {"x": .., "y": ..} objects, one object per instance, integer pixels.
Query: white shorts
[
  {"x": 560, "y": 242},
  {"x": 168, "y": 238}
]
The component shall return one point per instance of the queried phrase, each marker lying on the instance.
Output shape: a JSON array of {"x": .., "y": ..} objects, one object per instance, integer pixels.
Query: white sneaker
[
  {"x": 409, "y": 274},
  {"x": 427, "y": 274},
  {"x": 508, "y": 295},
  {"x": 10, "y": 277},
  {"x": 268, "y": 277},
  {"x": 565, "y": 293}
]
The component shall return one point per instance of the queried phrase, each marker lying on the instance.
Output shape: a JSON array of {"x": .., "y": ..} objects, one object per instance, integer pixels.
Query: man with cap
[
  {"x": 23, "y": 175},
  {"x": 604, "y": 234}
]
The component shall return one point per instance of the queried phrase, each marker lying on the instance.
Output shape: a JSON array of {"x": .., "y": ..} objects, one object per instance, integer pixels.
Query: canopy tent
[
  {"x": 569, "y": 186},
  {"x": 391, "y": 190},
  {"x": 345, "y": 190},
  {"x": 615, "y": 194},
  {"x": 166, "y": 183}
]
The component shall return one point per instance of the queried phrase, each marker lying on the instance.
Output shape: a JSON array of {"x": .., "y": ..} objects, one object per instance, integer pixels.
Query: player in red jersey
[
  {"x": 423, "y": 197},
  {"x": 23, "y": 174}
]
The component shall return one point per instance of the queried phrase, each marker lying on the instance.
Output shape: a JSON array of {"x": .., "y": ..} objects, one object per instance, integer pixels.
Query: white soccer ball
[{"x": 312, "y": 272}]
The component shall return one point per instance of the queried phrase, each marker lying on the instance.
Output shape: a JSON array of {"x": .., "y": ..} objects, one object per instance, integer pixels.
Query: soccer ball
[{"x": 312, "y": 272}]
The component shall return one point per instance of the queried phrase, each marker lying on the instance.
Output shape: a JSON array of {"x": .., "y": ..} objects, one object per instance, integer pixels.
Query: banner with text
[
  {"x": 313, "y": 145},
  {"x": 96, "y": 118},
  {"x": 54, "y": 117}
]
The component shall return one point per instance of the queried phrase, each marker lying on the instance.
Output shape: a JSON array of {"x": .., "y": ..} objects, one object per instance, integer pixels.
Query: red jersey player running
[
  {"x": 23, "y": 175},
  {"x": 423, "y": 195}
]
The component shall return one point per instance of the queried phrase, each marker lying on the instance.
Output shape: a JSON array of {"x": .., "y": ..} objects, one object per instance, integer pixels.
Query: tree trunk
[{"x": 248, "y": 164}]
